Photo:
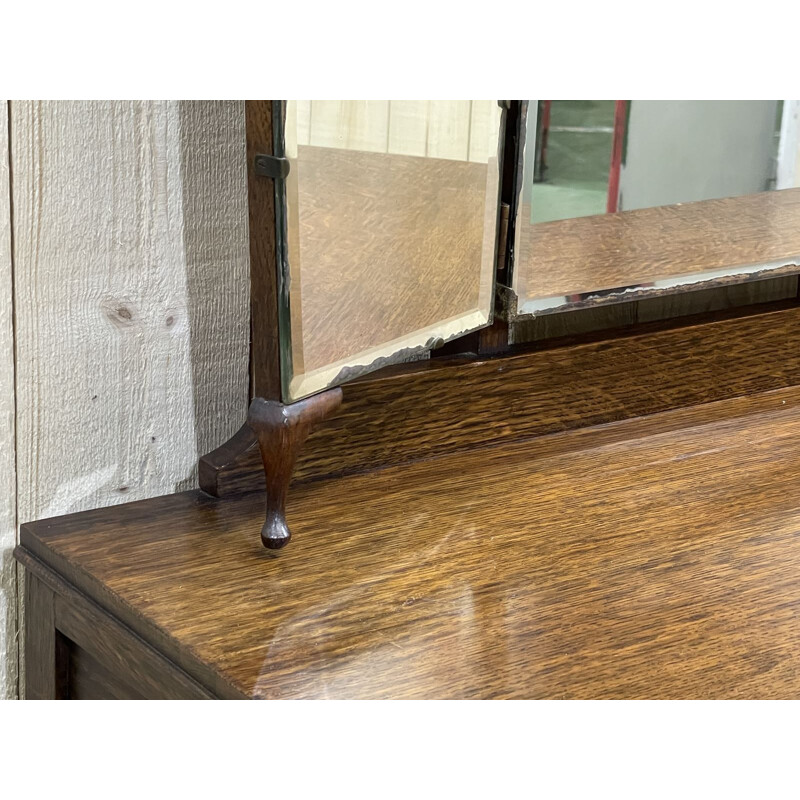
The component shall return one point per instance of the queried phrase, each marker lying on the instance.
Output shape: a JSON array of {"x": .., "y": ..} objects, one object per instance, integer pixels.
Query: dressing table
[{"x": 607, "y": 514}]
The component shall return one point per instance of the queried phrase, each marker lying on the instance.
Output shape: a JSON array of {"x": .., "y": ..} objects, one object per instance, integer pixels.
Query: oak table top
[{"x": 652, "y": 558}]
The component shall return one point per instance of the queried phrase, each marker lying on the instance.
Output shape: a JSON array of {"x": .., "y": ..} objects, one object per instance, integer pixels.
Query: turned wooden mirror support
[{"x": 281, "y": 430}]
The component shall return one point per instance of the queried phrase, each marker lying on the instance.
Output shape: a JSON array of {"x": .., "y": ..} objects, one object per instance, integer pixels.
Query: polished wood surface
[
  {"x": 265, "y": 372},
  {"x": 634, "y": 247},
  {"x": 651, "y": 558},
  {"x": 389, "y": 245},
  {"x": 74, "y": 649},
  {"x": 281, "y": 431},
  {"x": 424, "y": 410}
]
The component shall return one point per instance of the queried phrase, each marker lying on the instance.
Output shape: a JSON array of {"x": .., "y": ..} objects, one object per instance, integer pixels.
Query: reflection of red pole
[
  {"x": 545, "y": 130},
  {"x": 620, "y": 115}
]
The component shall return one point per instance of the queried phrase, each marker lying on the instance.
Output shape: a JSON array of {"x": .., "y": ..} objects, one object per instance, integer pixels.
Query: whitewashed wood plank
[
  {"x": 448, "y": 129},
  {"x": 8, "y": 585},
  {"x": 350, "y": 124},
  {"x": 303, "y": 121},
  {"x": 217, "y": 258},
  {"x": 408, "y": 127},
  {"x": 290, "y": 141},
  {"x": 131, "y": 296},
  {"x": 483, "y": 130}
]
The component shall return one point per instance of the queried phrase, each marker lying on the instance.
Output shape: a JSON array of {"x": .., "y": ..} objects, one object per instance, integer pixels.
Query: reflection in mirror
[
  {"x": 625, "y": 198},
  {"x": 392, "y": 211}
]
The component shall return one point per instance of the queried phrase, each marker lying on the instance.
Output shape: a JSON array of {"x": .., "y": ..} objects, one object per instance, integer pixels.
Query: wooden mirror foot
[{"x": 281, "y": 430}]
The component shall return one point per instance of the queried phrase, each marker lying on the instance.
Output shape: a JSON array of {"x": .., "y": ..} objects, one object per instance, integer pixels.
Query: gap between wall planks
[
  {"x": 9, "y": 652},
  {"x": 131, "y": 295}
]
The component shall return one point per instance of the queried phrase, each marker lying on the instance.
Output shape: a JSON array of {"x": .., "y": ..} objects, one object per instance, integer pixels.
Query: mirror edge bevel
[
  {"x": 513, "y": 310},
  {"x": 282, "y": 254},
  {"x": 284, "y": 276}
]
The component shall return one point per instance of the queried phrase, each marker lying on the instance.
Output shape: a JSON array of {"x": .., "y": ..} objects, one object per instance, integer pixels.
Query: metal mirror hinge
[{"x": 271, "y": 166}]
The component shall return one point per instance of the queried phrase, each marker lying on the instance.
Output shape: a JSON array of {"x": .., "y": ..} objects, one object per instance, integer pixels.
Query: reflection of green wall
[{"x": 576, "y": 180}]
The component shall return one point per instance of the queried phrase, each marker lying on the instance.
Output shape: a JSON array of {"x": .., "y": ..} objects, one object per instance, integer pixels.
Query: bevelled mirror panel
[
  {"x": 391, "y": 216},
  {"x": 622, "y": 199}
]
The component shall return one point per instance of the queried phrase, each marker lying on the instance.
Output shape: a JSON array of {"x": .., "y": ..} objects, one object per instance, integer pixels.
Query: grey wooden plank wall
[{"x": 129, "y": 267}]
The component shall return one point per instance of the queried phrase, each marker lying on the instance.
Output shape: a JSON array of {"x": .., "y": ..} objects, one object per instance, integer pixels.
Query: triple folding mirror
[{"x": 389, "y": 215}]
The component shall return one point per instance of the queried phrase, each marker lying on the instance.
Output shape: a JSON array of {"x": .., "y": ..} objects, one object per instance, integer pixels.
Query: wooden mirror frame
[
  {"x": 648, "y": 252},
  {"x": 462, "y": 397},
  {"x": 381, "y": 199}
]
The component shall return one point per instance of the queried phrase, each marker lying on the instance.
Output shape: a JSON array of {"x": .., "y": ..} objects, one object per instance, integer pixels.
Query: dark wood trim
[
  {"x": 281, "y": 430},
  {"x": 90, "y": 679},
  {"x": 225, "y": 459},
  {"x": 62, "y": 611},
  {"x": 122, "y": 652},
  {"x": 654, "y": 557},
  {"x": 265, "y": 363},
  {"x": 378, "y": 425},
  {"x": 447, "y": 405},
  {"x": 668, "y": 311},
  {"x": 494, "y": 339},
  {"x": 46, "y": 657},
  {"x": 265, "y": 374}
]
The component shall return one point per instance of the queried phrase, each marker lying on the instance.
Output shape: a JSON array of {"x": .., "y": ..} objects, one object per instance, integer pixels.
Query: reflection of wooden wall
[{"x": 455, "y": 129}]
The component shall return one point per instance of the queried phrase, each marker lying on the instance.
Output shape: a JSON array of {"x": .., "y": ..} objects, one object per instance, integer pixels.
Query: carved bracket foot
[{"x": 281, "y": 430}]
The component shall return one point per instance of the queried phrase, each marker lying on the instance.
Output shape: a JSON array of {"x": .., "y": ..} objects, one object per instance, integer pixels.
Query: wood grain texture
[
  {"x": 651, "y": 309},
  {"x": 387, "y": 245},
  {"x": 131, "y": 280},
  {"x": 213, "y": 185},
  {"x": 9, "y": 647},
  {"x": 723, "y": 297},
  {"x": 114, "y": 650},
  {"x": 651, "y": 558},
  {"x": 281, "y": 431},
  {"x": 89, "y": 679},
  {"x": 265, "y": 364},
  {"x": 155, "y": 669},
  {"x": 131, "y": 293},
  {"x": 45, "y": 654},
  {"x": 634, "y": 247},
  {"x": 444, "y": 405},
  {"x": 90, "y": 648}
]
